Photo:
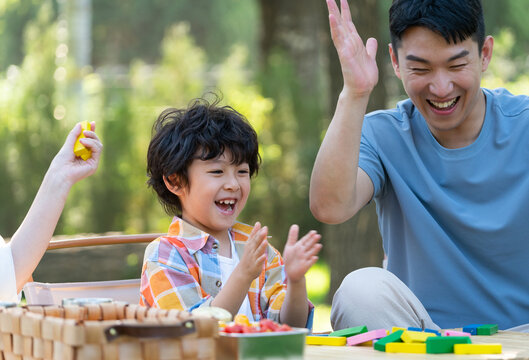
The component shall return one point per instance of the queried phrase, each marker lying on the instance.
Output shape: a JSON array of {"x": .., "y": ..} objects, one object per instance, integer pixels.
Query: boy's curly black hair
[{"x": 202, "y": 131}]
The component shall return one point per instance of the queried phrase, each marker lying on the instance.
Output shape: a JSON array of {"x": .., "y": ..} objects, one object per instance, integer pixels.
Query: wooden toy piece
[
  {"x": 444, "y": 344},
  {"x": 415, "y": 336},
  {"x": 367, "y": 336},
  {"x": 477, "y": 349},
  {"x": 424, "y": 330},
  {"x": 78, "y": 148},
  {"x": 415, "y": 348},
  {"x": 472, "y": 329},
  {"x": 350, "y": 331},
  {"x": 396, "y": 328},
  {"x": 488, "y": 329},
  {"x": 380, "y": 345},
  {"x": 456, "y": 333},
  {"x": 326, "y": 340}
]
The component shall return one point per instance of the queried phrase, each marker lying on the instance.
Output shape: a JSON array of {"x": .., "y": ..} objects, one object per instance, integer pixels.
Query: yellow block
[
  {"x": 78, "y": 148},
  {"x": 477, "y": 349},
  {"x": 415, "y": 348},
  {"x": 415, "y": 336},
  {"x": 326, "y": 340},
  {"x": 396, "y": 328}
]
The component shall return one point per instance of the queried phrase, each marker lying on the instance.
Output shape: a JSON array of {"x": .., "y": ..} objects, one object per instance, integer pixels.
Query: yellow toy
[
  {"x": 326, "y": 340},
  {"x": 79, "y": 149}
]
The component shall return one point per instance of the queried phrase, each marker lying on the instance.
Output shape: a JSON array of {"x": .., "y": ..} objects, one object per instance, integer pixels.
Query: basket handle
[{"x": 150, "y": 331}]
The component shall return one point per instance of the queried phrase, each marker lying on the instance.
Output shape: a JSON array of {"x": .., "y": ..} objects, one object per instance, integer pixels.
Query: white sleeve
[{"x": 8, "y": 286}]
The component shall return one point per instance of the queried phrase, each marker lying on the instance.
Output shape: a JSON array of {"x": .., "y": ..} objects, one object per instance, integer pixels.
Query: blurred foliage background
[{"x": 120, "y": 63}]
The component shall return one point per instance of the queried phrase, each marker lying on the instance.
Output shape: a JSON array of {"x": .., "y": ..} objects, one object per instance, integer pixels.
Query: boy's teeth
[{"x": 227, "y": 202}]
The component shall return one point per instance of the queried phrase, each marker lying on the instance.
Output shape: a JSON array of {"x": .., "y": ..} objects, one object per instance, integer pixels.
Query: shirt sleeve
[
  {"x": 8, "y": 286},
  {"x": 170, "y": 285}
]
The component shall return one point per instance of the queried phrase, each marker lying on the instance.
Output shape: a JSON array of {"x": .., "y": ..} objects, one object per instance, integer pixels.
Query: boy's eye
[
  {"x": 215, "y": 171},
  {"x": 244, "y": 171}
]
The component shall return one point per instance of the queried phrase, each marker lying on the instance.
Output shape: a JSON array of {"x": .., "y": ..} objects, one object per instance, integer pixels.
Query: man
[{"x": 448, "y": 169}]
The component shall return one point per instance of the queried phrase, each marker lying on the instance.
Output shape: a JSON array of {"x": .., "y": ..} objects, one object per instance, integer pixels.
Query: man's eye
[
  {"x": 458, "y": 66},
  {"x": 419, "y": 69}
]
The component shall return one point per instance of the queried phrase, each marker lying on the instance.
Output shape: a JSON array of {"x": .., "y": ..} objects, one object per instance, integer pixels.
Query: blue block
[{"x": 472, "y": 329}]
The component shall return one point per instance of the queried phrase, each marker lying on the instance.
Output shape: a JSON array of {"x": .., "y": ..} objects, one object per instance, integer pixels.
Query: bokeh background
[{"x": 120, "y": 63}]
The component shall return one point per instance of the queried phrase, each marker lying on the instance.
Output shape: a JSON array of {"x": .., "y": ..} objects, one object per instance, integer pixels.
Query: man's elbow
[{"x": 327, "y": 214}]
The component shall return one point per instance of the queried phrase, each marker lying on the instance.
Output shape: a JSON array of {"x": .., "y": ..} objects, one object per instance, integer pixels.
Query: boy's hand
[
  {"x": 254, "y": 256},
  {"x": 359, "y": 67},
  {"x": 300, "y": 255},
  {"x": 71, "y": 168}
]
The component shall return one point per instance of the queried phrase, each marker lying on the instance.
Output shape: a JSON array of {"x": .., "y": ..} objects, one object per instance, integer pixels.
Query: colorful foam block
[
  {"x": 415, "y": 336},
  {"x": 78, "y": 148},
  {"x": 444, "y": 344},
  {"x": 380, "y": 344},
  {"x": 488, "y": 329},
  {"x": 424, "y": 330},
  {"x": 477, "y": 349},
  {"x": 367, "y": 336},
  {"x": 456, "y": 333},
  {"x": 350, "y": 331},
  {"x": 326, "y": 340},
  {"x": 415, "y": 348},
  {"x": 472, "y": 329},
  {"x": 396, "y": 328}
]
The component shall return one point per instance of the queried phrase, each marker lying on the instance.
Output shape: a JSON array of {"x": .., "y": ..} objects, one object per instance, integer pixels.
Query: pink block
[
  {"x": 456, "y": 333},
  {"x": 367, "y": 336}
]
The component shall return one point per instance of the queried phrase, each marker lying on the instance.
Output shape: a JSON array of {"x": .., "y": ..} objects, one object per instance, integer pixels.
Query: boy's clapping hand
[
  {"x": 300, "y": 255},
  {"x": 254, "y": 256}
]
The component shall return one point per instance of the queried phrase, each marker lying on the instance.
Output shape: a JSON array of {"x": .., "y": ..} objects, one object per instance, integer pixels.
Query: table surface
[{"x": 515, "y": 345}]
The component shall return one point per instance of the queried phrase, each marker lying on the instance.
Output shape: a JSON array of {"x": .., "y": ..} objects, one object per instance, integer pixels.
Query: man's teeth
[{"x": 444, "y": 105}]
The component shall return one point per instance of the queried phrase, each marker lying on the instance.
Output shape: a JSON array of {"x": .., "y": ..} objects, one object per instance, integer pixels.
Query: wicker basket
[{"x": 105, "y": 331}]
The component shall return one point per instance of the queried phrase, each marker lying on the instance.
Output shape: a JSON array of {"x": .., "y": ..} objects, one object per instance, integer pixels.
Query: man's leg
[
  {"x": 378, "y": 299},
  {"x": 520, "y": 328}
]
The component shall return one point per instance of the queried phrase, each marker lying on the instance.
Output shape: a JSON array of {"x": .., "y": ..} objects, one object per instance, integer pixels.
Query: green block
[
  {"x": 487, "y": 329},
  {"x": 380, "y": 344},
  {"x": 444, "y": 344},
  {"x": 350, "y": 331}
]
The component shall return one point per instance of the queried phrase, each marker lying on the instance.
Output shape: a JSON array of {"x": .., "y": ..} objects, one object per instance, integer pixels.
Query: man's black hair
[
  {"x": 202, "y": 131},
  {"x": 454, "y": 20}
]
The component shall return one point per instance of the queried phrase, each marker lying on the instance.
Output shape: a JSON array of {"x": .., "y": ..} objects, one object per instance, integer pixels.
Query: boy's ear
[{"x": 172, "y": 184}]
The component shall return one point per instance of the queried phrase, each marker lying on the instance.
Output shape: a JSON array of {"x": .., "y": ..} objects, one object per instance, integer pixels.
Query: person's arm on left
[
  {"x": 298, "y": 256},
  {"x": 30, "y": 241}
]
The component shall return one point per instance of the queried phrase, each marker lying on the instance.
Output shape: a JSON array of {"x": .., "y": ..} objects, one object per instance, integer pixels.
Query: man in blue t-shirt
[{"x": 448, "y": 169}]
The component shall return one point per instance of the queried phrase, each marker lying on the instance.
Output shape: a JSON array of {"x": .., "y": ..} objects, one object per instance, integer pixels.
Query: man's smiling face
[{"x": 443, "y": 81}]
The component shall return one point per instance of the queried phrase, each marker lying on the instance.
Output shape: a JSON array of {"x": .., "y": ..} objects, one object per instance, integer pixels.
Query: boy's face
[
  {"x": 443, "y": 81},
  {"x": 216, "y": 194}
]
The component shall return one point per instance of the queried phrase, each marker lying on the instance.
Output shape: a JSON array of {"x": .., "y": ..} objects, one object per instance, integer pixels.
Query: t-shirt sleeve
[
  {"x": 369, "y": 159},
  {"x": 8, "y": 286}
]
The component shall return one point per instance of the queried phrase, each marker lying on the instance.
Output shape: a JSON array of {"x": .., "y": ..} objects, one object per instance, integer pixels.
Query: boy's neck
[{"x": 225, "y": 245}]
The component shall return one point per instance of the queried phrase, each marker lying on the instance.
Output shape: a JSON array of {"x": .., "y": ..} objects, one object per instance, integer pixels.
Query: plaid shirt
[{"x": 181, "y": 271}]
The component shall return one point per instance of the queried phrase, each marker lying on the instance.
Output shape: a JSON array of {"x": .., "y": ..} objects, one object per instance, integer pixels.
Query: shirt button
[
  {"x": 215, "y": 246},
  {"x": 218, "y": 283}
]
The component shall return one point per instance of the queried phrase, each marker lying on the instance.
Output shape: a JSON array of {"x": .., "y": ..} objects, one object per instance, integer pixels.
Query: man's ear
[
  {"x": 486, "y": 52},
  {"x": 394, "y": 60},
  {"x": 172, "y": 184}
]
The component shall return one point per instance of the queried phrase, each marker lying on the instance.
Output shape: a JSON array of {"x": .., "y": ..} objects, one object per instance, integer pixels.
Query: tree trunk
[{"x": 356, "y": 243}]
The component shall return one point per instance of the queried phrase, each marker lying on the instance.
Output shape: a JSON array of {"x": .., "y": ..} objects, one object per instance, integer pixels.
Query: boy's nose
[{"x": 232, "y": 184}]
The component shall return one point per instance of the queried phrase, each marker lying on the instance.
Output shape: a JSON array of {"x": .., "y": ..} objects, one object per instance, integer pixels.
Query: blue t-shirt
[{"x": 455, "y": 222}]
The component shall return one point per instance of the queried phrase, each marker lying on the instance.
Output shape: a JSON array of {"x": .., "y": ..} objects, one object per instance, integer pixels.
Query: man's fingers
[{"x": 371, "y": 47}]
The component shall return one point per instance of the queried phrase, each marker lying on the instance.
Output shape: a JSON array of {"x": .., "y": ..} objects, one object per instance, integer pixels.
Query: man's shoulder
[
  {"x": 402, "y": 112},
  {"x": 506, "y": 103}
]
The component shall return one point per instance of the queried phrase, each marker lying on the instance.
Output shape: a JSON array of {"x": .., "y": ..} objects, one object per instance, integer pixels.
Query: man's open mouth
[{"x": 444, "y": 105}]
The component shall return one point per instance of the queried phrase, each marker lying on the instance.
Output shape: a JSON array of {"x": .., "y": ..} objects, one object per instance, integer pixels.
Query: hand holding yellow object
[{"x": 79, "y": 149}]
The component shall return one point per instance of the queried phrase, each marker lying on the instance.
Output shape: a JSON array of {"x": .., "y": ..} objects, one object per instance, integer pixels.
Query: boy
[
  {"x": 447, "y": 168},
  {"x": 200, "y": 161}
]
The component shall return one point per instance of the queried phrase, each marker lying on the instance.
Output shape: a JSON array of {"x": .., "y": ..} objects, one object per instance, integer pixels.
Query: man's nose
[{"x": 441, "y": 85}]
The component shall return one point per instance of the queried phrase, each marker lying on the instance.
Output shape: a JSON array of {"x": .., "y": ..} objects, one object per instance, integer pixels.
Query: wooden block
[
  {"x": 444, "y": 344},
  {"x": 462, "y": 349},
  {"x": 472, "y": 329},
  {"x": 350, "y": 331},
  {"x": 78, "y": 148},
  {"x": 73, "y": 333},
  {"x": 456, "y": 333},
  {"x": 109, "y": 311},
  {"x": 415, "y": 336},
  {"x": 367, "y": 336},
  {"x": 488, "y": 329},
  {"x": 326, "y": 340},
  {"x": 380, "y": 345},
  {"x": 396, "y": 328},
  {"x": 414, "y": 348}
]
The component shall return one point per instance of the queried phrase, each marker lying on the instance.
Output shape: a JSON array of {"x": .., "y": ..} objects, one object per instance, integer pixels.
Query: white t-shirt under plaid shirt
[{"x": 8, "y": 287}]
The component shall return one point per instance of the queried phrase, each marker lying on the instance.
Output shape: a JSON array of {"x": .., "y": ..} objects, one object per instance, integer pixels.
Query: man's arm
[
  {"x": 30, "y": 241},
  {"x": 338, "y": 189}
]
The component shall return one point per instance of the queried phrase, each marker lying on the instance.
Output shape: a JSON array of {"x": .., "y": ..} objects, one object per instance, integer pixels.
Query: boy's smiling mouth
[{"x": 226, "y": 205}]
